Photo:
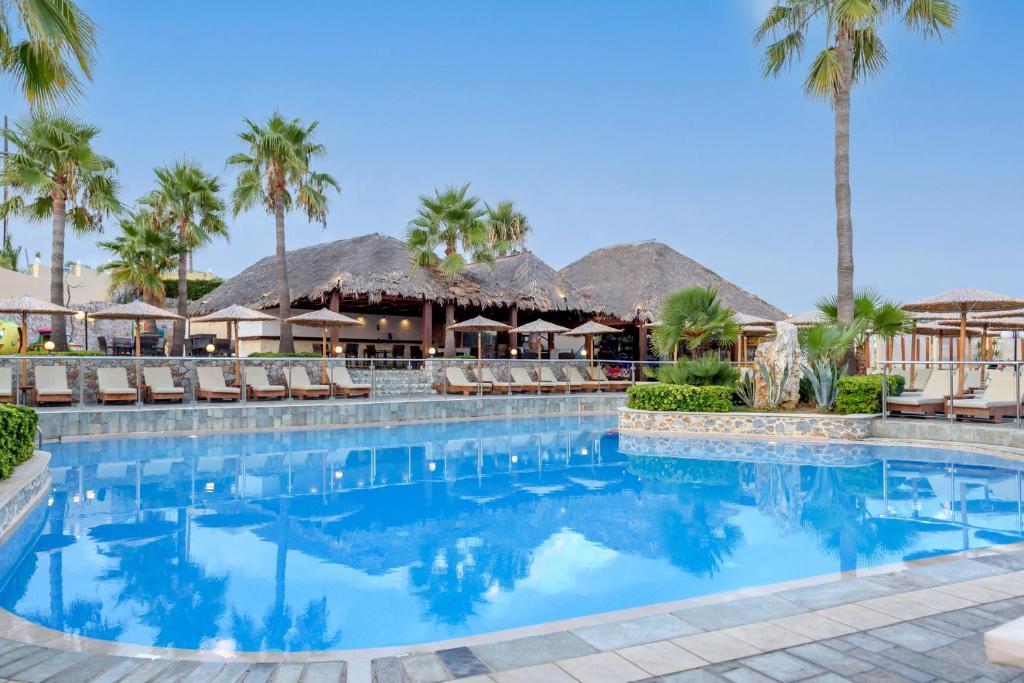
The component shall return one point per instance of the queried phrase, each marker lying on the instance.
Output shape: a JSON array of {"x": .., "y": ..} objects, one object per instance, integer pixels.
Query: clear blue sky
[{"x": 605, "y": 122}]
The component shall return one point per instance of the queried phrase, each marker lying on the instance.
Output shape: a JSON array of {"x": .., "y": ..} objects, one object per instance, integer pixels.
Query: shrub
[
  {"x": 708, "y": 370},
  {"x": 863, "y": 393},
  {"x": 274, "y": 354},
  {"x": 197, "y": 289},
  {"x": 17, "y": 434},
  {"x": 680, "y": 397}
]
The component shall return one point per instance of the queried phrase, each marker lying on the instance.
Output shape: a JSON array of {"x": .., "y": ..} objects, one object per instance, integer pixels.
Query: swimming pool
[{"x": 363, "y": 537}]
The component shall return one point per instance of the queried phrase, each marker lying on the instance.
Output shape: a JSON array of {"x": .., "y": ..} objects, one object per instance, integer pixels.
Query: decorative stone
[{"x": 778, "y": 353}]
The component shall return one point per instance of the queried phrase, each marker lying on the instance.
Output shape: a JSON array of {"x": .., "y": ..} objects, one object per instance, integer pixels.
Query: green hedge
[
  {"x": 17, "y": 435},
  {"x": 680, "y": 397},
  {"x": 860, "y": 394},
  {"x": 197, "y": 289},
  {"x": 274, "y": 354}
]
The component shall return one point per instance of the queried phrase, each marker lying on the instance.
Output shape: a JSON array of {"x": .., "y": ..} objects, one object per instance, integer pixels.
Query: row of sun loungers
[
  {"x": 520, "y": 381},
  {"x": 998, "y": 400}
]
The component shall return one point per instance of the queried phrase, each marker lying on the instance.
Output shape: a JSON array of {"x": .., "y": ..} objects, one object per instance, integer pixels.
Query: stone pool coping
[{"x": 22, "y": 491}]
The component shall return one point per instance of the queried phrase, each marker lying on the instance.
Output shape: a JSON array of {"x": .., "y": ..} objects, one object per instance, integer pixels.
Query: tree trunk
[
  {"x": 449, "y": 335},
  {"x": 178, "y": 340},
  {"x": 844, "y": 219},
  {"x": 58, "y": 334},
  {"x": 287, "y": 344}
]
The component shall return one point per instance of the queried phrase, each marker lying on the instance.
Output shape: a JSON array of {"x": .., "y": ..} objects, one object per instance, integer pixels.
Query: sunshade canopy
[
  {"x": 325, "y": 317},
  {"x": 965, "y": 299},
  {"x": 996, "y": 324},
  {"x": 746, "y": 320},
  {"x": 539, "y": 326},
  {"x": 30, "y": 304},
  {"x": 591, "y": 327},
  {"x": 233, "y": 313},
  {"x": 808, "y": 318},
  {"x": 479, "y": 324},
  {"x": 136, "y": 310}
]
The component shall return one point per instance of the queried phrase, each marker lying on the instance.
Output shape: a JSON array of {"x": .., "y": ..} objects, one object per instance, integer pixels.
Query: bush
[
  {"x": 197, "y": 289},
  {"x": 17, "y": 435},
  {"x": 680, "y": 397},
  {"x": 708, "y": 370},
  {"x": 274, "y": 354},
  {"x": 863, "y": 393}
]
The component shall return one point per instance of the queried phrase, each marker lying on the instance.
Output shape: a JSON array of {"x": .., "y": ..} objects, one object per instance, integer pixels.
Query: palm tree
[
  {"x": 852, "y": 52},
  {"x": 142, "y": 253},
  {"x": 507, "y": 228},
  {"x": 188, "y": 199},
  {"x": 453, "y": 222},
  {"x": 275, "y": 173},
  {"x": 694, "y": 318},
  {"x": 53, "y": 38},
  {"x": 57, "y": 174},
  {"x": 873, "y": 315}
]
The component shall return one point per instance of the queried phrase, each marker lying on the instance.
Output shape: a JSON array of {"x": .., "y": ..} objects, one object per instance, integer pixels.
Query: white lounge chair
[
  {"x": 486, "y": 375},
  {"x": 931, "y": 399},
  {"x": 112, "y": 386},
  {"x": 576, "y": 381},
  {"x": 301, "y": 387},
  {"x": 1000, "y": 399},
  {"x": 921, "y": 376},
  {"x": 52, "y": 386},
  {"x": 345, "y": 386},
  {"x": 212, "y": 386},
  {"x": 597, "y": 374},
  {"x": 522, "y": 378},
  {"x": 547, "y": 378},
  {"x": 6, "y": 386},
  {"x": 257, "y": 385},
  {"x": 457, "y": 383},
  {"x": 159, "y": 385}
]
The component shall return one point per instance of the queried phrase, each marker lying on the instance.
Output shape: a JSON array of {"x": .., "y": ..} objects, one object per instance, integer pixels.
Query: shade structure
[
  {"x": 588, "y": 330},
  {"x": 746, "y": 320},
  {"x": 963, "y": 301},
  {"x": 325, "y": 319},
  {"x": 136, "y": 311},
  {"x": 807, "y": 319},
  {"x": 233, "y": 315},
  {"x": 479, "y": 324},
  {"x": 539, "y": 326},
  {"x": 24, "y": 306},
  {"x": 1009, "y": 324},
  {"x": 749, "y": 323}
]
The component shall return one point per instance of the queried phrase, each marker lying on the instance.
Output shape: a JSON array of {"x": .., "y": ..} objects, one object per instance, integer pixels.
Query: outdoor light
[
  {"x": 432, "y": 466},
  {"x": 514, "y": 352},
  {"x": 79, "y": 315},
  {"x": 383, "y": 320},
  {"x": 210, "y": 348},
  {"x": 49, "y": 346},
  {"x": 431, "y": 350},
  {"x": 338, "y": 349},
  {"x": 583, "y": 353}
]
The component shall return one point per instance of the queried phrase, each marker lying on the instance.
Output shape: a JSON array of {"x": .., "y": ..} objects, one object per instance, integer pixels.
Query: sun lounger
[
  {"x": 547, "y": 378},
  {"x": 597, "y": 374},
  {"x": 486, "y": 375},
  {"x": 921, "y": 376},
  {"x": 52, "y": 386},
  {"x": 521, "y": 378},
  {"x": 931, "y": 399},
  {"x": 1000, "y": 399},
  {"x": 301, "y": 387},
  {"x": 345, "y": 386},
  {"x": 112, "y": 386},
  {"x": 258, "y": 386},
  {"x": 159, "y": 385},
  {"x": 212, "y": 386},
  {"x": 576, "y": 380},
  {"x": 458, "y": 383},
  {"x": 6, "y": 386}
]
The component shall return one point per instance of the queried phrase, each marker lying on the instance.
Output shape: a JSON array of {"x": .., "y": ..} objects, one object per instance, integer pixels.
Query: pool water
[{"x": 364, "y": 537}]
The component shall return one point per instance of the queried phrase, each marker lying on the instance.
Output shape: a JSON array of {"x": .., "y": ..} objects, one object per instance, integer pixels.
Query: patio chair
[
  {"x": 158, "y": 385},
  {"x": 212, "y": 387},
  {"x": 112, "y": 386},
  {"x": 458, "y": 383},
  {"x": 521, "y": 378},
  {"x": 576, "y": 381},
  {"x": 486, "y": 376},
  {"x": 52, "y": 386},
  {"x": 547, "y": 377},
  {"x": 931, "y": 399},
  {"x": 597, "y": 374},
  {"x": 149, "y": 345},
  {"x": 1000, "y": 399},
  {"x": 197, "y": 344},
  {"x": 351, "y": 350},
  {"x": 105, "y": 348},
  {"x": 6, "y": 386},
  {"x": 258, "y": 386},
  {"x": 344, "y": 385},
  {"x": 301, "y": 387}
]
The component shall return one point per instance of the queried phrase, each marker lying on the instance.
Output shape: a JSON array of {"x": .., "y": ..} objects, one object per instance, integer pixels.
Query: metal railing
[{"x": 984, "y": 394}]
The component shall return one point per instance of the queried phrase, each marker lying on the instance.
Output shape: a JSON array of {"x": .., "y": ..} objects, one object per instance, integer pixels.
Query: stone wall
[
  {"x": 22, "y": 490},
  {"x": 282, "y": 415},
  {"x": 1001, "y": 436},
  {"x": 753, "y": 424}
]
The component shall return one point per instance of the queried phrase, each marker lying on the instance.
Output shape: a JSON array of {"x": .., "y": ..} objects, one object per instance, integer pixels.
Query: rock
[{"x": 782, "y": 351}]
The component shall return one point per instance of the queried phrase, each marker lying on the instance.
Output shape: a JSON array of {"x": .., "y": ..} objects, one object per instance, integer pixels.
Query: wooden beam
[
  {"x": 335, "y": 306},
  {"x": 428, "y": 327},
  {"x": 513, "y": 321}
]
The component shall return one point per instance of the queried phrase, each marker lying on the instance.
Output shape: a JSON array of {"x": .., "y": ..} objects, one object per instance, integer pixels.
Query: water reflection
[{"x": 356, "y": 538}]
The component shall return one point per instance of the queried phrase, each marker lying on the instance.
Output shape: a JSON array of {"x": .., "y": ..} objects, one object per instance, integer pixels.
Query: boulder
[{"x": 781, "y": 351}]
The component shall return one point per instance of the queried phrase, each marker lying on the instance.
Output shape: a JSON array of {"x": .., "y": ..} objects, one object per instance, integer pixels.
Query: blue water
[{"x": 370, "y": 537}]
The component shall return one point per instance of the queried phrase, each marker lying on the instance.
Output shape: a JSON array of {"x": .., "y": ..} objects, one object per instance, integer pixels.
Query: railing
[
  {"x": 992, "y": 391},
  {"x": 367, "y": 379}
]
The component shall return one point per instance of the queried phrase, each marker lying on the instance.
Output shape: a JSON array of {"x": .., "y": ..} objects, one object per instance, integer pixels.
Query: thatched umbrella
[
  {"x": 25, "y": 306},
  {"x": 964, "y": 301},
  {"x": 540, "y": 326},
  {"x": 807, "y": 319},
  {"x": 136, "y": 311},
  {"x": 752, "y": 323},
  {"x": 1008, "y": 324},
  {"x": 233, "y": 315},
  {"x": 479, "y": 324},
  {"x": 588, "y": 330},
  {"x": 324, "y": 318}
]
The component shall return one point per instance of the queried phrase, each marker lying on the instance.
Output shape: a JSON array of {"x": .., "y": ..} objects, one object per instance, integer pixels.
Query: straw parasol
[
  {"x": 1008, "y": 324},
  {"x": 324, "y": 318},
  {"x": 233, "y": 315},
  {"x": 807, "y": 319},
  {"x": 963, "y": 301},
  {"x": 539, "y": 326},
  {"x": 588, "y": 330},
  {"x": 479, "y": 324},
  {"x": 136, "y": 311},
  {"x": 25, "y": 306}
]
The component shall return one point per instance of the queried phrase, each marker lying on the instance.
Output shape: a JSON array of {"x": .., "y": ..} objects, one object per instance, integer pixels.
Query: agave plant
[
  {"x": 774, "y": 385},
  {"x": 746, "y": 390},
  {"x": 823, "y": 376}
]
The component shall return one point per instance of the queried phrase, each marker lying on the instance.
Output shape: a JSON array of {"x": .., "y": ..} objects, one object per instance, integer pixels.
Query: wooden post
[
  {"x": 642, "y": 340},
  {"x": 513, "y": 322},
  {"x": 551, "y": 345},
  {"x": 913, "y": 354},
  {"x": 449, "y": 334},
  {"x": 335, "y": 305},
  {"x": 983, "y": 350},
  {"x": 428, "y": 327},
  {"x": 960, "y": 351},
  {"x": 903, "y": 350}
]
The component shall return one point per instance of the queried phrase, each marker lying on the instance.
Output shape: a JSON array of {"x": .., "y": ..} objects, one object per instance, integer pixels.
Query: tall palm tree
[
  {"x": 43, "y": 44},
  {"x": 852, "y": 52},
  {"x": 507, "y": 228},
  {"x": 453, "y": 222},
  {"x": 694, "y": 318},
  {"x": 57, "y": 174},
  {"x": 275, "y": 173},
  {"x": 141, "y": 254},
  {"x": 189, "y": 201}
]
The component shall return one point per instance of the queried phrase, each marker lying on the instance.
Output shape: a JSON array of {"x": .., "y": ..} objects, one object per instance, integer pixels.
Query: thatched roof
[
  {"x": 30, "y": 304},
  {"x": 965, "y": 299},
  {"x": 372, "y": 266},
  {"x": 539, "y": 326},
  {"x": 630, "y": 281},
  {"x": 529, "y": 283},
  {"x": 479, "y": 324},
  {"x": 325, "y": 317},
  {"x": 591, "y": 327}
]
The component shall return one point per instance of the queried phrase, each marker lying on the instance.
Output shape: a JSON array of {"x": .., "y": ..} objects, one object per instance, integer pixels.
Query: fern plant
[
  {"x": 774, "y": 385},
  {"x": 823, "y": 376}
]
